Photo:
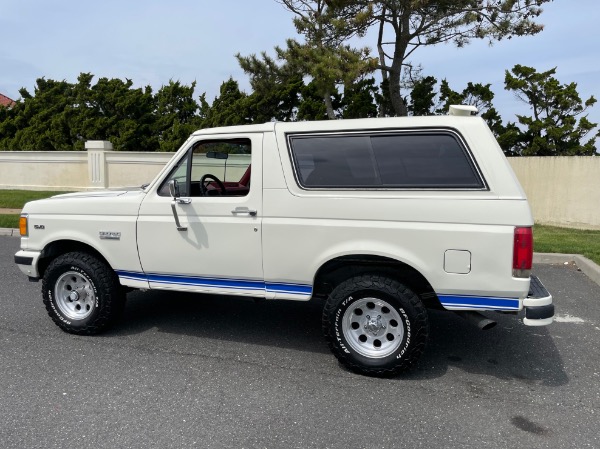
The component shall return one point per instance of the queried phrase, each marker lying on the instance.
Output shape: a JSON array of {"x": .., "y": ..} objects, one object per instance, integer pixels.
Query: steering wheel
[{"x": 203, "y": 184}]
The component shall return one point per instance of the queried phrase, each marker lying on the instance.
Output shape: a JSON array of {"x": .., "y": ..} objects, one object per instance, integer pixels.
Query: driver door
[{"x": 217, "y": 248}]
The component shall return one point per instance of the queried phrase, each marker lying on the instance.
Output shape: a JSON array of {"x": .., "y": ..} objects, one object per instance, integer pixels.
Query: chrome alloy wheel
[
  {"x": 372, "y": 327},
  {"x": 74, "y": 295}
]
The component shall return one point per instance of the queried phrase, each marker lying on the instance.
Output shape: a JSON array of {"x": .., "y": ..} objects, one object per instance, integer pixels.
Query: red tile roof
[{"x": 5, "y": 101}]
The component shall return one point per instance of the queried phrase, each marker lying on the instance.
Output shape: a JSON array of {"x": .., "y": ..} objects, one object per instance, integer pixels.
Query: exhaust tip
[
  {"x": 487, "y": 324},
  {"x": 477, "y": 319}
]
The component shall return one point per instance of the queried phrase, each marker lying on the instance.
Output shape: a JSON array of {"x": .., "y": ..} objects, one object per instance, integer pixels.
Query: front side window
[
  {"x": 432, "y": 160},
  {"x": 213, "y": 168}
]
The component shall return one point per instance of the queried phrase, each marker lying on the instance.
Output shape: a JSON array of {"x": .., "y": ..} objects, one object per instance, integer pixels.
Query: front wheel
[
  {"x": 375, "y": 325},
  {"x": 82, "y": 294}
]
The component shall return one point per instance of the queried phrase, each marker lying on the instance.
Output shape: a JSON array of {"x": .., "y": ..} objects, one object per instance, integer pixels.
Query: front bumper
[
  {"x": 27, "y": 261},
  {"x": 539, "y": 310}
]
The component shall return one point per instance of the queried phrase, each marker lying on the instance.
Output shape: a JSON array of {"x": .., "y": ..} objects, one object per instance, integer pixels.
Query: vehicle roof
[{"x": 343, "y": 125}]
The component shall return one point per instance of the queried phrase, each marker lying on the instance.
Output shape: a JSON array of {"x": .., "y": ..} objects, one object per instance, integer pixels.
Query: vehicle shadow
[
  {"x": 510, "y": 351},
  {"x": 286, "y": 324}
]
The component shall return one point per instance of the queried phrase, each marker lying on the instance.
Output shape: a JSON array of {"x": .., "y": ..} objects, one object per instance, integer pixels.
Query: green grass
[
  {"x": 9, "y": 221},
  {"x": 16, "y": 199},
  {"x": 551, "y": 239}
]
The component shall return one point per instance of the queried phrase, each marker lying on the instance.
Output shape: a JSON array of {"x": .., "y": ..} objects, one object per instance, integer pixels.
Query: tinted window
[{"x": 418, "y": 160}]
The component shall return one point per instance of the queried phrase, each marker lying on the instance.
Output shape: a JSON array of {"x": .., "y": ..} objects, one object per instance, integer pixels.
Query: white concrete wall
[
  {"x": 44, "y": 170},
  {"x": 134, "y": 168},
  {"x": 72, "y": 171},
  {"x": 562, "y": 191},
  {"x": 99, "y": 167}
]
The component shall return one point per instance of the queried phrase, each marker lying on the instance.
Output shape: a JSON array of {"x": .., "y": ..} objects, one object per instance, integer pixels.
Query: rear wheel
[
  {"x": 82, "y": 294},
  {"x": 375, "y": 325}
]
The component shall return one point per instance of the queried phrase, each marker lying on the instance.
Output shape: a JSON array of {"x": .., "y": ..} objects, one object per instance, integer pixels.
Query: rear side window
[{"x": 435, "y": 160}]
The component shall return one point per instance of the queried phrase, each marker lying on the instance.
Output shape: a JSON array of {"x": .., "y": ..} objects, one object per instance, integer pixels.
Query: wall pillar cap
[{"x": 98, "y": 145}]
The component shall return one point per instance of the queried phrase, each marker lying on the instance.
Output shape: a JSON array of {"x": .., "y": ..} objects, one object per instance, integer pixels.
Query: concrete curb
[
  {"x": 589, "y": 268},
  {"x": 553, "y": 258}
]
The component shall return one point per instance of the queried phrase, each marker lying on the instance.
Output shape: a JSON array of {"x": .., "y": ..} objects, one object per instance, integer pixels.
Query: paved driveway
[{"x": 210, "y": 372}]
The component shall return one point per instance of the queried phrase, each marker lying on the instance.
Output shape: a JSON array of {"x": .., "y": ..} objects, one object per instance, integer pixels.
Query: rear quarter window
[{"x": 408, "y": 160}]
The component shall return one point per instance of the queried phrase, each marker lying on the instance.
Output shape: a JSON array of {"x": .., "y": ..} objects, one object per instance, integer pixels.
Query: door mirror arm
[{"x": 174, "y": 191}]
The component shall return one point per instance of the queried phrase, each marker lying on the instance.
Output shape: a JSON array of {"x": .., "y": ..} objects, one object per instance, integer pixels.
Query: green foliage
[
  {"x": 422, "y": 97},
  {"x": 39, "y": 122},
  {"x": 425, "y": 100},
  {"x": 408, "y": 25},
  {"x": 113, "y": 110},
  {"x": 554, "y": 129},
  {"x": 323, "y": 56},
  {"x": 327, "y": 66},
  {"x": 276, "y": 88},
  {"x": 230, "y": 108},
  {"x": 279, "y": 103},
  {"x": 312, "y": 106},
  {"x": 176, "y": 115},
  {"x": 384, "y": 102},
  {"x": 61, "y": 116},
  {"x": 475, "y": 94},
  {"x": 360, "y": 99}
]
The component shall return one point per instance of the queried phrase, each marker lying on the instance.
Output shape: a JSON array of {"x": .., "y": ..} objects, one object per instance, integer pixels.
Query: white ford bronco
[{"x": 381, "y": 219}]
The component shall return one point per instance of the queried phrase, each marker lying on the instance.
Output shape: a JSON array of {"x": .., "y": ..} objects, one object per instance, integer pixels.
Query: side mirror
[{"x": 174, "y": 188}]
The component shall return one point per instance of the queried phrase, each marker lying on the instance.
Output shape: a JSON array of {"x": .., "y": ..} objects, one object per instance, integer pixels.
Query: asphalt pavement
[{"x": 183, "y": 371}]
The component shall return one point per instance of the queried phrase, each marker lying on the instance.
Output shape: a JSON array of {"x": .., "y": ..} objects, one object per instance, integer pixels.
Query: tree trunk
[
  {"x": 380, "y": 48},
  {"x": 398, "y": 103},
  {"x": 384, "y": 73},
  {"x": 329, "y": 106},
  {"x": 400, "y": 46}
]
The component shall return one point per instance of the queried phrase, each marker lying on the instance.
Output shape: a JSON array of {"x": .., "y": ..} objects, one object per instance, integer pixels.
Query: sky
[{"x": 152, "y": 42}]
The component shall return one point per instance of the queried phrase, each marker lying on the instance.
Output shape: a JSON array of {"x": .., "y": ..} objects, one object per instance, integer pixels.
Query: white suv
[{"x": 382, "y": 219}]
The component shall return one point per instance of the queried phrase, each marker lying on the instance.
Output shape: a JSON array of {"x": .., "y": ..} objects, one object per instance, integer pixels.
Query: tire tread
[
  {"x": 112, "y": 297},
  {"x": 393, "y": 288}
]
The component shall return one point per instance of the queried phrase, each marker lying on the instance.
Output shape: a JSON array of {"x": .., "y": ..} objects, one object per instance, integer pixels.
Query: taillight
[{"x": 522, "y": 252}]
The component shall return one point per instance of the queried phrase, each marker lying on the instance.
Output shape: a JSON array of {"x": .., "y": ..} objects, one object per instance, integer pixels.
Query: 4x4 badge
[{"x": 110, "y": 235}]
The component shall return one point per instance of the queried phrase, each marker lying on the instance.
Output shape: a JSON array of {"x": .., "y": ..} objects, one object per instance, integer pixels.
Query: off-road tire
[
  {"x": 98, "y": 298},
  {"x": 399, "y": 325}
]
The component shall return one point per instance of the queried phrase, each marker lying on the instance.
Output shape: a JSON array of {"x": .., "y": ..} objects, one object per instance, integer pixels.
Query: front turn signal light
[{"x": 23, "y": 226}]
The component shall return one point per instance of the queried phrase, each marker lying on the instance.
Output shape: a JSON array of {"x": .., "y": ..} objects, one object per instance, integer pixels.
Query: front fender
[{"x": 120, "y": 251}]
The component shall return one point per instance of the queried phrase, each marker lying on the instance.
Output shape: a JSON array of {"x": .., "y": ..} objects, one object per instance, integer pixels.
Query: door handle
[{"x": 244, "y": 211}]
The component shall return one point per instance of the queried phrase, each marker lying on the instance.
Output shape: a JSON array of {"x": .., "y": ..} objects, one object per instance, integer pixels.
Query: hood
[
  {"x": 99, "y": 193},
  {"x": 103, "y": 202}
]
